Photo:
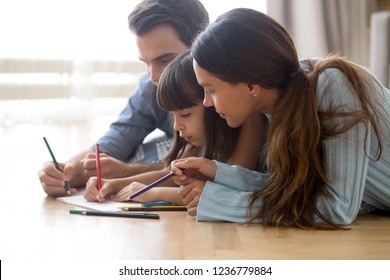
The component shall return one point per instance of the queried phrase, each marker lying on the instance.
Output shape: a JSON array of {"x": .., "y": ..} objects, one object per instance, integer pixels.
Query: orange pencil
[{"x": 99, "y": 177}]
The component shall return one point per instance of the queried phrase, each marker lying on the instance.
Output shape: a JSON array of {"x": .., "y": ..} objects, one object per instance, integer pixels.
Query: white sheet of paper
[{"x": 107, "y": 205}]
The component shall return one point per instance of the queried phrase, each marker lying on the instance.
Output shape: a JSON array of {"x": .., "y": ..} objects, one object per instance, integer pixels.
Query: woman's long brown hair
[
  {"x": 296, "y": 153},
  {"x": 247, "y": 46}
]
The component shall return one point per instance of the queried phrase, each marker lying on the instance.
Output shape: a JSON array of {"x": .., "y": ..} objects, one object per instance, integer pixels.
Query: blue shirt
[
  {"x": 140, "y": 117},
  {"x": 354, "y": 176}
]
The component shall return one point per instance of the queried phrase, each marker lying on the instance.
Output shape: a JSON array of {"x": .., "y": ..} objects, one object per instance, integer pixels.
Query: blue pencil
[
  {"x": 148, "y": 187},
  {"x": 157, "y": 203}
]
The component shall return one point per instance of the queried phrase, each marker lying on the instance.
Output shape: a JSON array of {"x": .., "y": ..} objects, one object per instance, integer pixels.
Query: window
[{"x": 73, "y": 51}]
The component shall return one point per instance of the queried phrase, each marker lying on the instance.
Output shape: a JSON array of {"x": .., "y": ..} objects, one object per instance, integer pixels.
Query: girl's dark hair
[
  {"x": 187, "y": 17},
  {"x": 178, "y": 89},
  {"x": 247, "y": 46}
]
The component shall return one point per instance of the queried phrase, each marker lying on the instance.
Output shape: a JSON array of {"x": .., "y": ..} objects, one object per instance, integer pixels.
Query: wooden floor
[{"x": 34, "y": 226}]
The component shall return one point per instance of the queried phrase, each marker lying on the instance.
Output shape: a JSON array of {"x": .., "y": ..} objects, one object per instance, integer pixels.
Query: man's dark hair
[{"x": 187, "y": 17}]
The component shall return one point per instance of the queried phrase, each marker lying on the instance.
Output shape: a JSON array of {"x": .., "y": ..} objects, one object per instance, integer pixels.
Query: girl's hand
[
  {"x": 109, "y": 186},
  {"x": 191, "y": 168},
  {"x": 91, "y": 192},
  {"x": 123, "y": 195}
]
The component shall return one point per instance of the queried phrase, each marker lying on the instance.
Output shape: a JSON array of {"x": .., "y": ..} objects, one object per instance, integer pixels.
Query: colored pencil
[
  {"x": 66, "y": 187},
  {"x": 157, "y": 203},
  {"x": 116, "y": 214},
  {"x": 154, "y": 208},
  {"x": 99, "y": 177},
  {"x": 148, "y": 187}
]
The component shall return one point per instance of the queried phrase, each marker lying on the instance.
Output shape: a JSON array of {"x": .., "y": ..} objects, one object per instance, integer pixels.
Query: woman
[
  {"x": 328, "y": 140},
  {"x": 199, "y": 131}
]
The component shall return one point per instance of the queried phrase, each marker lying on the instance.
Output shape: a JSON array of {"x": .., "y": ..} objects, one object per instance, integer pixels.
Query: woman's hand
[
  {"x": 190, "y": 194},
  {"x": 192, "y": 174},
  {"x": 188, "y": 169}
]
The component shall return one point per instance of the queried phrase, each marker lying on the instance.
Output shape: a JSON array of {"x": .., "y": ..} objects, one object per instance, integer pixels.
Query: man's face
[{"x": 157, "y": 48}]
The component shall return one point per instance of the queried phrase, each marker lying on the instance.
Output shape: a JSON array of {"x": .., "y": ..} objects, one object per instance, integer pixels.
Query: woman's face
[
  {"x": 233, "y": 102},
  {"x": 190, "y": 124}
]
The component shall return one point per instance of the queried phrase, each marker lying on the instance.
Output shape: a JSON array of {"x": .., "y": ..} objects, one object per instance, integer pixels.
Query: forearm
[
  {"x": 239, "y": 178},
  {"x": 134, "y": 169},
  {"x": 168, "y": 194},
  {"x": 227, "y": 198},
  {"x": 222, "y": 203},
  {"x": 149, "y": 177}
]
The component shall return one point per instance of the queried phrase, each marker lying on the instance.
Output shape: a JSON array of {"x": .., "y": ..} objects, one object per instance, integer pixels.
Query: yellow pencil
[{"x": 154, "y": 208}]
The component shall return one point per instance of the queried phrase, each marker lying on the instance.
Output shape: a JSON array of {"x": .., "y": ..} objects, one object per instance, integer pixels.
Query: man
[{"x": 163, "y": 29}]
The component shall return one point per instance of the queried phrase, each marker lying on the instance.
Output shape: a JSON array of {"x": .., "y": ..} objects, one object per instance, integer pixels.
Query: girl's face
[
  {"x": 233, "y": 102},
  {"x": 190, "y": 124}
]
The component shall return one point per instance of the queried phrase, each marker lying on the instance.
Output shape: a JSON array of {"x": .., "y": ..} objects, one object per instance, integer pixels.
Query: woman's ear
[{"x": 254, "y": 89}]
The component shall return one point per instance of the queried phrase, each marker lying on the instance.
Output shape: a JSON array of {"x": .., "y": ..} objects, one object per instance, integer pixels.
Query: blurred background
[
  {"x": 71, "y": 60},
  {"x": 74, "y": 63}
]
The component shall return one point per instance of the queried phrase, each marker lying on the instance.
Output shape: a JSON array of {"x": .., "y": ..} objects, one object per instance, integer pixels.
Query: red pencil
[{"x": 99, "y": 178}]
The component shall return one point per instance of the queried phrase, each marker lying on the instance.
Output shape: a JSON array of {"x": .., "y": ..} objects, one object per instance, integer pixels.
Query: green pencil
[{"x": 56, "y": 164}]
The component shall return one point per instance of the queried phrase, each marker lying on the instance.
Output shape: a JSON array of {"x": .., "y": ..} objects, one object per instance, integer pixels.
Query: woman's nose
[{"x": 207, "y": 100}]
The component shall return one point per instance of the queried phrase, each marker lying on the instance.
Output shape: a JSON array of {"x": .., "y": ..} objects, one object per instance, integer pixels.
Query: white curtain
[
  {"x": 380, "y": 46},
  {"x": 55, "y": 78},
  {"x": 319, "y": 27}
]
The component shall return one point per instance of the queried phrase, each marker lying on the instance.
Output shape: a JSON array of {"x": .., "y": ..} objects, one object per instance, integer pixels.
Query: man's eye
[{"x": 165, "y": 61}]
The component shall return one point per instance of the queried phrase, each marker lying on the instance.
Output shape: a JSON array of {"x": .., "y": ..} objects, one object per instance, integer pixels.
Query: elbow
[
  {"x": 345, "y": 221},
  {"x": 339, "y": 214}
]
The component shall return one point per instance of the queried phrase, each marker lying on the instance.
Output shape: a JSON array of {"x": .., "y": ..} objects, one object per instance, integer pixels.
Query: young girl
[
  {"x": 328, "y": 146},
  {"x": 200, "y": 131}
]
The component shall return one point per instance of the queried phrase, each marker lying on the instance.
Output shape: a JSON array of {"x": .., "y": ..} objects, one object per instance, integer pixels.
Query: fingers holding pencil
[
  {"x": 53, "y": 180},
  {"x": 92, "y": 193},
  {"x": 66, "y": 187}
]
